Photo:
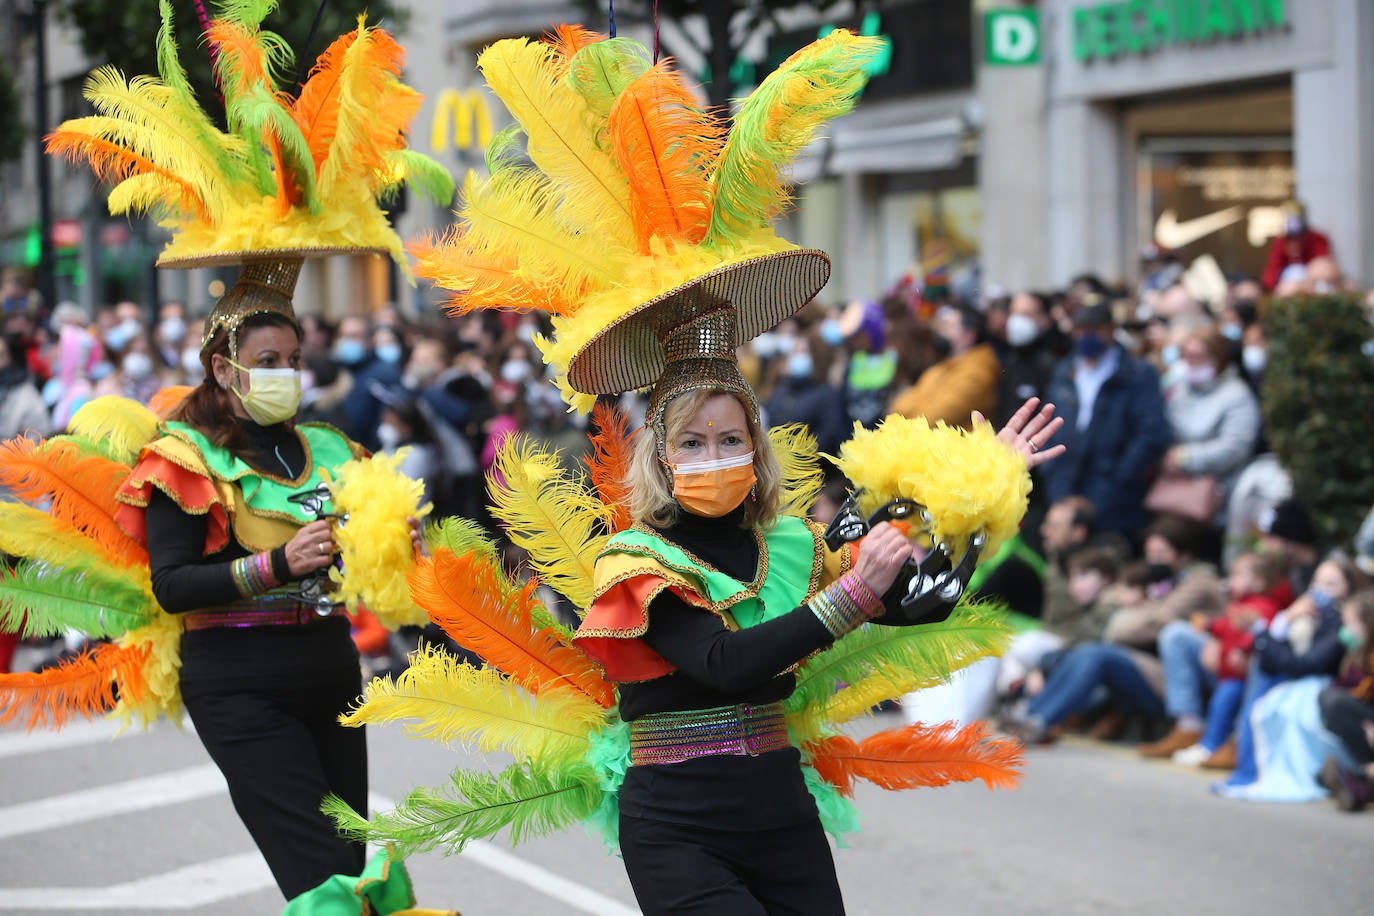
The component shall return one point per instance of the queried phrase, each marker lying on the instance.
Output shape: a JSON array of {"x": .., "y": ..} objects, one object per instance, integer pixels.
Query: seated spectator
[
  {"x": 1282, "y": 687},
  {"x": 963, "y": 382},
  {"x": 1347, "y": 709},
  {"x": 1215, "y": 652}
]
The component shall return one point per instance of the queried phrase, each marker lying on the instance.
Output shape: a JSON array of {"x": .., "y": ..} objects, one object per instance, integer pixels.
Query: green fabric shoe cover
[{"x": 382, "y": 889}]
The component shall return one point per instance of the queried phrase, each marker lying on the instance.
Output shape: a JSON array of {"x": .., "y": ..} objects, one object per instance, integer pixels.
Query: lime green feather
[
  {"x": 93, "y": 447},
  {"x": 443, "y": 699},
  {"x": 507, "y": 148},
  {"x": 820, "y": 82},
  {"x": 262, "y": 113},
  {"x": 526, "y": 799},
  {"x": 421, "y": 174},
  {"x": 48, "y": 600},
  {"x": 458, "y": 536},
  {"x": 250, "y": 13},
  {"x": 890, "y": 661},
  {"x": 798, "y": 454},
  {"x": 600, "y": 71}
]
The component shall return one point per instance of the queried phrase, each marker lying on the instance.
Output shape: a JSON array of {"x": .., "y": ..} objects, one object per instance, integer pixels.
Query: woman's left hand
[
  {"x": 416, "y": 538},
  {"x": 1028, "y": 430}
]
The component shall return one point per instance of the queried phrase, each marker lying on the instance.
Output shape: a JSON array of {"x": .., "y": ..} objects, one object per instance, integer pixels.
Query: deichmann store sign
[{"x": 1106, "y": 30}]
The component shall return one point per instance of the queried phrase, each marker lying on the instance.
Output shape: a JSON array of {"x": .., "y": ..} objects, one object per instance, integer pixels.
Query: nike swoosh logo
[{"x": 1170, "y": 233}]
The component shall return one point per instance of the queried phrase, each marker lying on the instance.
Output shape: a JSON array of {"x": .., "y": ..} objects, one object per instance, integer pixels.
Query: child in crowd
[
  {"x": 1258, "y": 591},
  {"x": 1347, "y": 708},
  {"x": 1093, "y": 572}
]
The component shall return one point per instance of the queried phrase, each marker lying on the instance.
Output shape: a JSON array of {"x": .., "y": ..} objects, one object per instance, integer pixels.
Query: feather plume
[
  {"x": 550, "y": 514},
  {"x": 82, "y": 490},
  {"x": 316, "y": 109},
  {"x": 247, "y": 58},
  {"x": 458, "y": 536},
  {"x": 567, "y": 39},
  {"x": 601, "y": 71},
  {"x": 471, "y": 600},
  {"x": 81, "y": 686},
  {"x": 890, "y": 661},
  {"x": 445, "y": 700},
  {"x": 609, "y": 463},
  {"x": 47, "y": 600},
  {"x": 506, "y": 149},
  {"x": 263, "y": 112},
  {"x": 374, "y": 111},
  {"x": 802, "y": 475},
  {"x": 113, "y": 163},
  {"x": 151, "y": 690},
  {"x": 920, "y": 756},
  {"x": 31, "y": 533},
  {"x": 420, "y": 173},
  {"x": 529, "y": 800},
  {"x": 166, "y": 400},
  {"x": 91, "y": 448},
  {"x": 480, "y": 281},
  {"x": 820, "y": 82},
  {"x": 141, "y": 115},
  {"x": 122, "y": 423},
  {"x": 562, "y": 134},
  {"x": 667, "y": 145}
]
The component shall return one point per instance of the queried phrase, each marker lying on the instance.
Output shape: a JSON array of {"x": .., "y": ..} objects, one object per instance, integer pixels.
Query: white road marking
[{"x": 225, "y": 878}]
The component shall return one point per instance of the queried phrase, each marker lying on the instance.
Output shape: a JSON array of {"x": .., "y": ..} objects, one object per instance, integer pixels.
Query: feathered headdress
[
  {"x": 291, "y": 178},
  {"x": 644, "y": 226}
]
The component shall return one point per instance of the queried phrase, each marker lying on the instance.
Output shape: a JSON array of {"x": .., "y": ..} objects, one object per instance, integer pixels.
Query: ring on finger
[{"x": 323, "y": 548}]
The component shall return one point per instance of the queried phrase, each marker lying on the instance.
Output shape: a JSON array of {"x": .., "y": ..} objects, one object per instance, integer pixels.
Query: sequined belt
[
  {"x": 738, "y": 731},
  {"x": 263, "y": 611}
]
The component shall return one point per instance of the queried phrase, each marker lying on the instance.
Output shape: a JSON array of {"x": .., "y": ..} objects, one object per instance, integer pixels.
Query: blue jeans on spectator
[
  {"x": 1074, "y": 682},
  {"x": 1221, "y": 712},
  {"x": 1185, "y": 680},
  {"x": 1257, "y": 684}
]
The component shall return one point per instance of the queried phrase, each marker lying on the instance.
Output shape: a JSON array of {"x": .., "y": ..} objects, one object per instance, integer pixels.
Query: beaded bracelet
[
  {"x": 253, "y": 574},
  {"x": 846, "y": 604}
]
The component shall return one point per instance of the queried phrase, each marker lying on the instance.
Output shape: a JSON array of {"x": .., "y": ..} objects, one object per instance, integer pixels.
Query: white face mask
[
  {"x": 389, "y": 436},
  {"x": 1021, "y": 330},
  {"x": 1200, "y": 376},
  {"x": 138, "y": 366},
  {"x": 515, "y": 371},
  {"x": 173, "y": 330},
  {"x": 273, "y": 395},
  {"x": 1254, "y": 359},
  {"x": 191, "y": 364}
]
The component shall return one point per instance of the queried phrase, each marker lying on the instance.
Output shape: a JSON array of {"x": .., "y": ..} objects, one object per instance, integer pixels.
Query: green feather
[
  {"x": 48, "y": 600},
  {"x": 245, "y": 12},
  {"x": 92, "y": 448},
  {"x": 261, "y": 112},
  {"x": 528, "y": 801},
  {"x": 423, "y": 174},
  {"x": 506, "y": 148},
  {"x": 192, "y": 116},
  {"x": 458, "y": 536},
  {"x": 774, "y": 125},
  {"x": 600, "y": 71},
  {"x": 903, "y": 658}
]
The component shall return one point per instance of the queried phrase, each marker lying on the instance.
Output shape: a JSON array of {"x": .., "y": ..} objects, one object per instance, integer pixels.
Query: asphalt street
[{"x": 141, "y": 823}]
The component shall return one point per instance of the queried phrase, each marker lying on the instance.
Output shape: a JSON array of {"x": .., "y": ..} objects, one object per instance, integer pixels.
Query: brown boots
[{"x": 1176, "y": 740}]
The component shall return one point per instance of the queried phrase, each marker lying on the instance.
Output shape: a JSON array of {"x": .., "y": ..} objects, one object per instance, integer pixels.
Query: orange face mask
[{"x": 713, "y": 488}]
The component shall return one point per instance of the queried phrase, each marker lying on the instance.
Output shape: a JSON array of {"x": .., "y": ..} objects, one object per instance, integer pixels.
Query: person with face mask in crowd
[
  {"x": 1114, "y": 425},
  {"x": 170, "y": 335},
  {"x": 963, "y": 382},
  {"x": 802, "y": 395},
  {"x": 134, "y": 374}
]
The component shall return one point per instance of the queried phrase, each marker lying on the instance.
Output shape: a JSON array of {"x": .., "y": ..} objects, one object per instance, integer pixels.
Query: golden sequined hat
[
  {"x": 643, "y": 211},
  {"x": 263, "y": 287}
]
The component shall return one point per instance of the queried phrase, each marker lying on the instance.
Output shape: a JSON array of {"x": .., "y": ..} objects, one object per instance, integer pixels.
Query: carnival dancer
[
  {"x": 210, "y": 529},
  {"x": 691, "y": 718}
]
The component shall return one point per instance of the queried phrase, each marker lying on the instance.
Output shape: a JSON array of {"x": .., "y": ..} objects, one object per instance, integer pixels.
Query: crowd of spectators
[{"x": 1165, "y": 585}]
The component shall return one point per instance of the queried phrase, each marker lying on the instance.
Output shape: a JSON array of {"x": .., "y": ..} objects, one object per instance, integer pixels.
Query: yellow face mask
[
  {"x": 273, "y": 396},
  {"x": 713, "y": 488}
]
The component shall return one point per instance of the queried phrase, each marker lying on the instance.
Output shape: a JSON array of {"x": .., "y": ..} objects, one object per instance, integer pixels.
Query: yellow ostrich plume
[
  {"x": 552, "y": 515},
  {"x": 446, "y": 700},
  {"x": 966, "y": 479},
  {"x": 374, "y": 542},
  {"x": 124, "y": 425}
]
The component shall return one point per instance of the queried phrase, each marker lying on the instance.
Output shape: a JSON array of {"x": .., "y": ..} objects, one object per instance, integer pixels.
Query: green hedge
[{"x": 1318, "y": 400}]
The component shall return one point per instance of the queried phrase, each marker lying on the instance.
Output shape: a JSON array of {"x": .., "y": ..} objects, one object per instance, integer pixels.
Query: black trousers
[
  {"x": 1344, "y": 715},
  {"x": 281, "y": 750},
  {"x": 786, "y": 871}
]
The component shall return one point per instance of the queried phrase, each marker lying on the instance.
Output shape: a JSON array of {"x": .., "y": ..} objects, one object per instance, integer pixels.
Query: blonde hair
[{"x": 650, "y": 480}]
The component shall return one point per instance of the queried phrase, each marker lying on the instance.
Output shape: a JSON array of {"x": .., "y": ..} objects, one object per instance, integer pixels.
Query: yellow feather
[
  {"x": 802, "y": 475},
  {"x": 553, "y": 516},
  {"x": 142, "y": 115},
  {"x": 451, "y": 701},
  {"x": 160, "y": 693},
  {"x": 124, "y": 424},
  {"x": 562, "y": 137},
  {"x": 32, "y": 533}
]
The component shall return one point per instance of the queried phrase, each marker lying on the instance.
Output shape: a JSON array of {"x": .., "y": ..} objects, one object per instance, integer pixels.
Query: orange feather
[
  {"x": 567, "y": 39},
  {"x": 82, "y": 490},
  {"x": 374, "y": 109},
  {"x": 167, "y": 399},
  {"x": 113, "y": 163},
  {"x": 470, "y": 597},
  {"x": 919, "y": 756},
  {"x": 667, "y": 144},
  {"x": 317, "y": 108},
  {"x": 609, "y": 462},
  {"x": 481, "y": 282},
  {"x": 81, "y": 686},
  {"x": 242, "y": 61}
]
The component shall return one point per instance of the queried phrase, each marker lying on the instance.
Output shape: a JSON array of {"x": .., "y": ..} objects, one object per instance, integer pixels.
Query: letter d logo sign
[{"x": 1011, "y": 38}]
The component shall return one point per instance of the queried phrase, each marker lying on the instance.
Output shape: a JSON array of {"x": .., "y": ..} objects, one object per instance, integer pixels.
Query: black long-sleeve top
[{"x": 184, "y": 578}]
